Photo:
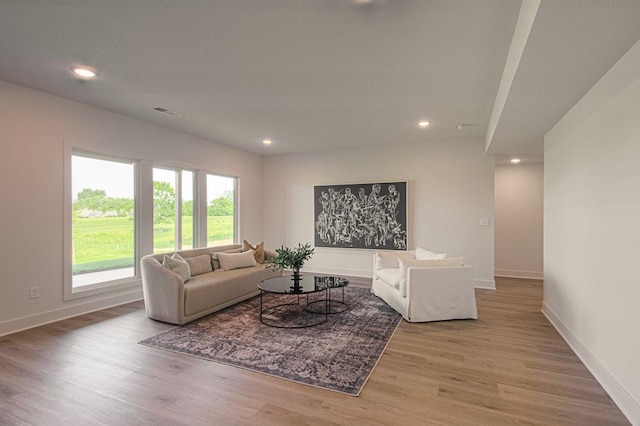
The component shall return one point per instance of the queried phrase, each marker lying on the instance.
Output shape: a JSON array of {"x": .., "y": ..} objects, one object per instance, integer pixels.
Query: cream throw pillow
[
  {"x": 424, "y": 254},
  {"x": 178, "y": 265},
  {"x": 389, "y": 259},
  {"x": 431, "y": 263},
  {"x": 236, "y": 261},
  {"x": 199, "y": 264},
  {"x": 258, "y": 249},
  {"x": 215, "y": 263}
]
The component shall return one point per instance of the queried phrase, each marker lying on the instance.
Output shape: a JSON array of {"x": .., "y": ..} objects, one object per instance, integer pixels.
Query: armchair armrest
[{"x": 439, "y": 293}]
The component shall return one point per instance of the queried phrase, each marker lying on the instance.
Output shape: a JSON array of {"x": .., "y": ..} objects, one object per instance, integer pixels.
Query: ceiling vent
[{"x": 167, "y": 111}]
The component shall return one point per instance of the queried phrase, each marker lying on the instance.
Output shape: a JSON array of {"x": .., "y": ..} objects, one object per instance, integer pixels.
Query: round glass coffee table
[{"x": 281, "y": 317}]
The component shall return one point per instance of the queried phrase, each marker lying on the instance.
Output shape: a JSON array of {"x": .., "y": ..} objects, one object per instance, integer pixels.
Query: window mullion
[
  {"x": 200, "y": 210},
  {"x": 178, "y": 211}
]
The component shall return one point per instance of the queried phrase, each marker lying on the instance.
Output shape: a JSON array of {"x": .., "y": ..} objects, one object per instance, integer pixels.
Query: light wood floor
[{"x": 509, "y": 367}]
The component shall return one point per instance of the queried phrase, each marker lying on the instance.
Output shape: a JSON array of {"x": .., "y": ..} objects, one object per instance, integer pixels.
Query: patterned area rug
[{"x": 338, "y": 355}]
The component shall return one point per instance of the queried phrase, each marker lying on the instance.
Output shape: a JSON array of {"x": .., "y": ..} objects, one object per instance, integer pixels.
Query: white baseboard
[
  {"x": 488, "y": 284},
  {"x": 627, "y": 404},
  {"x": 508, "y": 273},
  {"x": 42, "y": 318}
]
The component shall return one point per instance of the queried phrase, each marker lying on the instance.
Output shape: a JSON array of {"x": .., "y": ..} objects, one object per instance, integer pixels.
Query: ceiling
[{"x": 324, "y": 74}]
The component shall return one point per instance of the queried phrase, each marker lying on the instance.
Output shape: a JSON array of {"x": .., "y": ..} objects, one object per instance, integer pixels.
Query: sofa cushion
[
  {"x": 206, "y": 291},
  {"x": 258, "y": 250},
  {"x": 389, "y": 259},
  {"x": 424, "y": 254},
  {"x": 229, "y": 261},
  {"x": 178, "y": 265},
  {"x": 390, "y": 276},
  {"x": 199, "y": 264}
]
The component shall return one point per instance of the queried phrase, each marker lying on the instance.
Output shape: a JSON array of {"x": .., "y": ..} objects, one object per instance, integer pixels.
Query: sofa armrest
[
  {"x": 163, "y": 291},
  {"x": 269, "y": 254}
]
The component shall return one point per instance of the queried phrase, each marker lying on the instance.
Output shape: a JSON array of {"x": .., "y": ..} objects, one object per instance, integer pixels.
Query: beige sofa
[{"x": 168, "y": 298}]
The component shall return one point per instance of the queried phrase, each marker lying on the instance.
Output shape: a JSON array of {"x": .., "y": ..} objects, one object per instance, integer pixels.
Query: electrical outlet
[
  {"x": 34, "y": 292},
  {"x": 484, "y": 221}
]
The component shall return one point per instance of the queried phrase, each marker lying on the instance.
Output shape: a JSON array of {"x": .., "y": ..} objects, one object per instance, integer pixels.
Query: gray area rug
[{"x": 338, "y": 355}]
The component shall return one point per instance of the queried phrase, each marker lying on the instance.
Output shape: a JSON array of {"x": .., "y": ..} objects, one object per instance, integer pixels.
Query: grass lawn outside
[{"x": 101, "y": 244}]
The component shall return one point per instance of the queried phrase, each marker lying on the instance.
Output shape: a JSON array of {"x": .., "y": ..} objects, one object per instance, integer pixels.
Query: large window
[
  {"x": 120, "y": 209},
  {"x": 220, "y": 210},
  {"x": 103, "y": 220},
  {"x": 172, "y": 210}
]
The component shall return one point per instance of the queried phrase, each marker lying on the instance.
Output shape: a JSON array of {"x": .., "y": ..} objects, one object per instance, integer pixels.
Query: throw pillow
[
  {"x": 424, "y": 254},
  {"x": 389, "y": 259},
  {"x": 199, "y": 264},
  {"x": 178, "y": 265},
  {"x": 258, "y": 249},
  {"x": 230, "y": 261},
  {"x": 215, "y": 263},
  {"x": 432, "y": 263}
]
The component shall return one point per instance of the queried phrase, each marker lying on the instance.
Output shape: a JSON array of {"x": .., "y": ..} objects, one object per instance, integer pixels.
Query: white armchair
[{"x": 443, "y": 290}]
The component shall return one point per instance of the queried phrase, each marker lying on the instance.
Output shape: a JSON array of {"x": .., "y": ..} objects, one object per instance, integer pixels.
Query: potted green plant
[{"x": 291, "y": 258}]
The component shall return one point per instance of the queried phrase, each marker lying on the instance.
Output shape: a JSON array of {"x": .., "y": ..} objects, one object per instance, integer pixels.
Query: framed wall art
[{"x": 362, "y": 216}]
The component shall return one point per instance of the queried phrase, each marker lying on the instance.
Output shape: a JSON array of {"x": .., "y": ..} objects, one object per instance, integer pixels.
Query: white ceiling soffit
[
  {"x": 320, "y": 74},
  {"x": 310, "y": 75},
  {"x": 570, "y": 46}
]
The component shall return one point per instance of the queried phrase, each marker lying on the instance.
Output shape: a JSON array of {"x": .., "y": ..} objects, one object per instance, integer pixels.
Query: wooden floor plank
[{"x": 508, "y": 367}]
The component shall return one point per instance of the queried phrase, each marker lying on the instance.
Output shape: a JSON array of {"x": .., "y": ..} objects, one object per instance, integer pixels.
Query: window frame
[
  {"x": 205, "y": 206},
  {"x": 71, "y": 292},
  {"x": 178, "y": 171}
]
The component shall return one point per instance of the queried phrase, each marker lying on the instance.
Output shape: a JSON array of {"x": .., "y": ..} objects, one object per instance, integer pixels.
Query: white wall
[
  {"x": 592, "y": 231},
  {"x": 519, "y": 212},
  {"x": 34, "y": 128},
  {"x": 450, "y": 189}
]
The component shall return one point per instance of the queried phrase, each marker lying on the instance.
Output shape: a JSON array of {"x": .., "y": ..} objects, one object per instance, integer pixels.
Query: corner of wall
[{"x": 486, "y": 284}]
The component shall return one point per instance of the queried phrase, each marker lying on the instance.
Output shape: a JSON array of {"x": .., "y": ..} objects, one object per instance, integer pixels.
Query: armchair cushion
[{"x": 390, "y": 276}]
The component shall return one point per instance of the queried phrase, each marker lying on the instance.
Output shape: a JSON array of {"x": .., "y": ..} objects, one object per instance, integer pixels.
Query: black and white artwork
[{"x": 368, "y": 216}]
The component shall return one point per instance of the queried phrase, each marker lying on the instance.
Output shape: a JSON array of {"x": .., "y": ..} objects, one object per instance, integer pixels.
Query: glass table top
[{"x": 309, "y": 283}]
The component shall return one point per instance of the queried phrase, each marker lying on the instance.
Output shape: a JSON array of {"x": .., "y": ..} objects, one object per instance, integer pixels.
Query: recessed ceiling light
[
  {"x": 84, "y": 72},
  {"x": 424, "y": 123},
  {"x": 515, "y": 160},
  {"x": 267, "y": 141}
]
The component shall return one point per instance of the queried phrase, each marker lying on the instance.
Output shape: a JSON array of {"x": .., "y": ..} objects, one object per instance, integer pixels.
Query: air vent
[{"x": 167, "y": 111}]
